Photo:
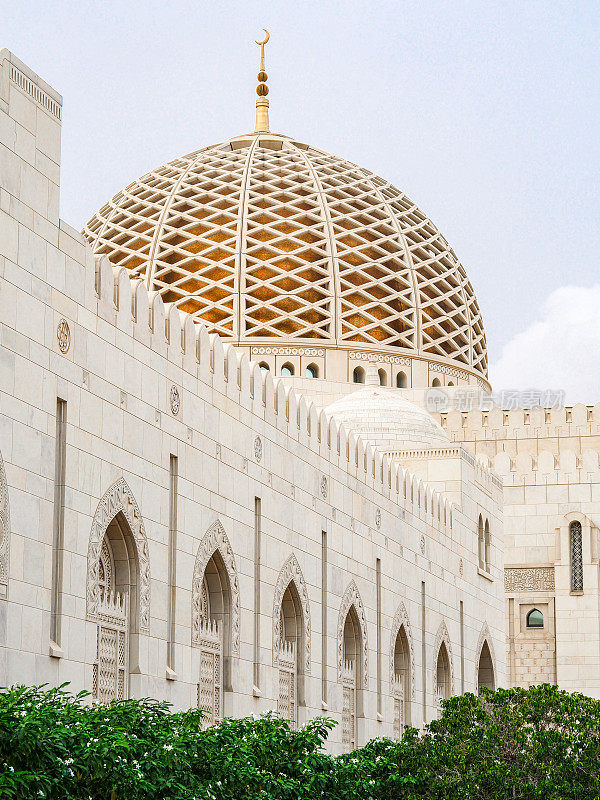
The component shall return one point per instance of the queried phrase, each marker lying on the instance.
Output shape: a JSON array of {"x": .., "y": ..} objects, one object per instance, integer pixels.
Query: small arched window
[
  {"x": 450, "y": 383},
  {"x": 481, "y": 543},
  {"x": 436, "y": 382},
  {"x": 358, "y": 376},
  {"x": 382, "y": 377},
  {"x": 264, "y": 365},
  {"x": 576, "y": 546},
  {"x": 535, "y": 619},
  {"x": 287, "y": 369},
  {"x": 312, "y": 371},
  {"x": 401, "y": 380},
  {"x": 486, "y": 545}
]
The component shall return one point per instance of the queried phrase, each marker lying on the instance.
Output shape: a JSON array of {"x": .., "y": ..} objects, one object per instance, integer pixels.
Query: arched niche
[
  {"x": 119, "y": 509},
  {"x": 485, "y": 670},
  {"x": 291, "y": 637},
  {"x": 118, "y": 591}
]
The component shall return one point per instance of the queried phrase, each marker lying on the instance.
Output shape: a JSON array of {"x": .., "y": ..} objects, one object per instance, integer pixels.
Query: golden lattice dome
[{"x": 263, "y": 237}]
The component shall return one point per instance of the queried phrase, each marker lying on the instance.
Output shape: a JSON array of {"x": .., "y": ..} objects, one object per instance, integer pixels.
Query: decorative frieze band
[
  {"x": 287, "y": 351},
  {"x": 454, "y": 372},
  {"x": 381, "y": 357},
  {"x": 529, "y": 579}
]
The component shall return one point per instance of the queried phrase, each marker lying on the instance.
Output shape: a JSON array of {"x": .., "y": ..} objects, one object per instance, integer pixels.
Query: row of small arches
[
  {"x": 287, "y": 370},
  {"x": 358, "y": 376}
]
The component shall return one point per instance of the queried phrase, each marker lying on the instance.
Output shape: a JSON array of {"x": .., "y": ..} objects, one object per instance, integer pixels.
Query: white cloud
[{"x": 561, "y": 350}]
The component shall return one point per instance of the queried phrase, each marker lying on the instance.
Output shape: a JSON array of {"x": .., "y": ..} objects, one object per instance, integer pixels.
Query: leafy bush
[{"x": 536, "y": 743}]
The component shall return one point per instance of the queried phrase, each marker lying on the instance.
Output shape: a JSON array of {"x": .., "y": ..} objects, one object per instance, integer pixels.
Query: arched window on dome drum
[
  {"x": 576, "y": 548},
  {"x": 436, "y": 382},
  {"x": 312, "y": 371},
  {"x": 264, "y": 365},
  {"x": 287, "y": 369},
  {"x": 535, "y": 619},
  {"x": 382, "y": 377},
  {"x": 358, "y": 376},
  {"x": 401, "y": 380}
]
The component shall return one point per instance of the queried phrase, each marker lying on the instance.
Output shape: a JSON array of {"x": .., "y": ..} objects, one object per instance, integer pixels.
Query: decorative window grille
[
  {"x": 210, "y": 686},
  {"x": 110, "y": 667},
  {"x": 399, "y": 711},
  {"x": 576, "y": 557},
  {"x": 349, "y": 705},
  {"x": 286, "y": 702}
]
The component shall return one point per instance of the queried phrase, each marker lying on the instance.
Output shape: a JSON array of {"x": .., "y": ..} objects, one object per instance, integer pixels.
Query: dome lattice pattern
[{"x": 263, "y": 237}]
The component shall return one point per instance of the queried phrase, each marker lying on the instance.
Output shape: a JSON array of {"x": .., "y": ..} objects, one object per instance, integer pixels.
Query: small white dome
[{"x": 387, "y": 420}]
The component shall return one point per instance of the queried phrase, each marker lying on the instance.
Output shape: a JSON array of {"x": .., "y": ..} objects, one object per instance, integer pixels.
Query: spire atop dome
[{"x": 262, "y": 90}]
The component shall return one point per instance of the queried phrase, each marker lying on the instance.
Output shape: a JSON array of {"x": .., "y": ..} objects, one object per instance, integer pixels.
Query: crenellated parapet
[
  {"x": 497, "y": 424},
  {"x": 174, "y": 335}
]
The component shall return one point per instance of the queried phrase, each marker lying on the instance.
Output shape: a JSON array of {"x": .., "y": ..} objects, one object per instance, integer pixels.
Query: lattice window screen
[
  {"x": 399, "y": 706},
  {"x": 110, "y": 667},
  {"x": 348, "y": 680},
  {"x": 398, "y": 718},
  {"x": 286, "y": 702},
  {"x": 576, "y": 557},
  {"x": 210, "y": 686},
  {"x": 349, "y": 718}
]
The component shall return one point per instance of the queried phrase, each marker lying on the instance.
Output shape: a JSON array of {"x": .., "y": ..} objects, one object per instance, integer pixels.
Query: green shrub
[{"x": 535, "y": 743}]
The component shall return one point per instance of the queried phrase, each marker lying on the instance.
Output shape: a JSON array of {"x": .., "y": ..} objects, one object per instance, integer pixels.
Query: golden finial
[{"x": 262, "y": 90}]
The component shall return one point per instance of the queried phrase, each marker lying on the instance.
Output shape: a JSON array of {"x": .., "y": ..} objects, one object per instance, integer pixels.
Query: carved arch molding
[
  {"x": 4, "y": 531},
  {"x": 484, "y": 636},
  {"x": 119, "y": 499},
  {"x": 215, "y": 539},
  {"x": 401, "y": 621},
  {"x": 442, "y": 636},
  {"x": 291, "y": 573},
  {"x": 352, "y": 598}
]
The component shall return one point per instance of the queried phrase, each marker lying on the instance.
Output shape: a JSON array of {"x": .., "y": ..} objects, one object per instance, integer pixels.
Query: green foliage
[{"x": 539, "y": 743}]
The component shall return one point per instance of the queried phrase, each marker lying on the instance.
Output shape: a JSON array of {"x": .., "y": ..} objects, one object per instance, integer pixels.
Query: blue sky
[{"x": 486, "y": 113}]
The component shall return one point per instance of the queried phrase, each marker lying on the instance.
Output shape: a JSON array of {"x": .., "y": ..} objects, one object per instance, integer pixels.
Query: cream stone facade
[{"x": 273, "y": 522}]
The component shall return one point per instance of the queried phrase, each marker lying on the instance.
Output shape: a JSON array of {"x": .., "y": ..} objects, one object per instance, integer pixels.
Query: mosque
[{"x": 250, "y": 459}]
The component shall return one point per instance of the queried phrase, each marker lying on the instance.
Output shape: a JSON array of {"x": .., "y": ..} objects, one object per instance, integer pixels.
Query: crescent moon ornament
[{"x": 268, "y": 36}]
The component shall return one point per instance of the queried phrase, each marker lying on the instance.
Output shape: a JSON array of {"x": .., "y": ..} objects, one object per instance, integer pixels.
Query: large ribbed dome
[{"x": 263, "y": 237}]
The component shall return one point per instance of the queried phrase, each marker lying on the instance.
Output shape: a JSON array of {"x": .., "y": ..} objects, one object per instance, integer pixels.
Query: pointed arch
[
  {"x": 401, "y": 620},
  {"x": 216, "y": 540},
  {"x": 119, "y": 500},
  {"x": 4, "y": 531},
  {"x": 442, "y": 638},
  {"x": 485, "y": 638},
  {"x": 292, "y": 573},
  {"x": 351, "y": 599}
]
